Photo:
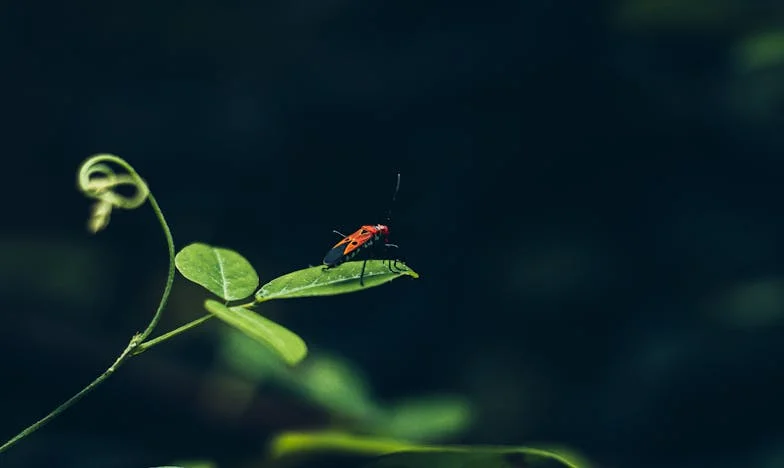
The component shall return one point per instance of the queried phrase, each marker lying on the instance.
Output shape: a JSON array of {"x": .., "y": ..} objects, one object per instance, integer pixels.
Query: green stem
[
  {"x": 132, "y": 345},
  {"x": 149, "y": 344},
  {"x": 70, "y": 402},
  {"x": 169, "y": 276}
]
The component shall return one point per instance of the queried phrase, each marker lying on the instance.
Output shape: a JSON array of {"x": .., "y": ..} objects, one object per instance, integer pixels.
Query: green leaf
[
  {"x": 223, "y": 272},
  {"x": 278, "y": 338},
  {"x": 338, "y": 386},
  {"x": 430, "y": 418},
  {"x": 197, "y": 464},
  {"x": 762, "y": 50},
  {"x": 466, "y": 457},
  {"x": 191, "y": 464},
  {"x": 293, "y": 443},
  {"x": 250, "y": 359},
  {"x": 389, "y": 453},
  {"x": 318, "y": 281}
]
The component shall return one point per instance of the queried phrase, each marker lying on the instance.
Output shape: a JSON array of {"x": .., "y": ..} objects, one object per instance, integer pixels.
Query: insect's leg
[
  {"x": 339, "y": 233},
  {"x": 362, "y": 274},
  {"x": 392, "y": 263}
]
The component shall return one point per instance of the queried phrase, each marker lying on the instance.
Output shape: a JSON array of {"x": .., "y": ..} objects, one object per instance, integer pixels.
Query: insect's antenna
[{"x": 394, "y": 196}]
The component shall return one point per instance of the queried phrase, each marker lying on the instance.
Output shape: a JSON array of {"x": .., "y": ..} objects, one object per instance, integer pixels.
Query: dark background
[{"x": 591, "y": 192}]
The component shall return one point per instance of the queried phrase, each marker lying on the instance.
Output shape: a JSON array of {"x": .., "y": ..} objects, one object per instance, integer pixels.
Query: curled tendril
[{"x": 97, "y": 180}]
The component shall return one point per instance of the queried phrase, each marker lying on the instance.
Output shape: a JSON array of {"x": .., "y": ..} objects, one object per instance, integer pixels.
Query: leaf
[
  {"x": 427, "y": 418},
  {"x": 247, "y": 357},
  {"x": 263, "y": 330},
  {"x": 338, "y": 386},
  {"x": 761, "y": 50},
  {"x": 191, "y": 464},
  {"x": 291, "y": 443},
  {"x": 223, "y": 272},
  {"x": 467, "y": 457},
  {"x": 197, "y": 464},
  {"x": 318, "y": 281},
  {"x": 389, "y": 453}
]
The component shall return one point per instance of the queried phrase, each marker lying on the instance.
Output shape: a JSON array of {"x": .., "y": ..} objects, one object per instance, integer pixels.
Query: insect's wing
[
  {"x": 356, "y": 240},
  {"x": 347, "y": 245},
  {"x": 337, "y": 252}
]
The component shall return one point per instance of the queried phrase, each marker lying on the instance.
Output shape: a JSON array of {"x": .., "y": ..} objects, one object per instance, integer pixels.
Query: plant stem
[
  {"x": 41, "y": 422},
  {"x": 169, "y": 276},
  {"x": 132, "y": 345},
  {"x": 150, "y": 343}
]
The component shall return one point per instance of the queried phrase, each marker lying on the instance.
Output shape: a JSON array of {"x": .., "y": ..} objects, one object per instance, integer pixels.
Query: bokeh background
[{"x": 591, "y": 192}]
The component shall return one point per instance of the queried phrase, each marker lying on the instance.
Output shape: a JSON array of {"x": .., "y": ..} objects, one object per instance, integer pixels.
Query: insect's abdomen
[{"x": 337, "y": 254}]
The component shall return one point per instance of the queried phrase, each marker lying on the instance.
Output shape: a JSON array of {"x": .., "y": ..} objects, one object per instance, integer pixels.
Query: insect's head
[{"x": 382, "y": 229}]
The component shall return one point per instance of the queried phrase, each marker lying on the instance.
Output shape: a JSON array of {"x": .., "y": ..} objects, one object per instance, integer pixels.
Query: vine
[
  {"x": 223, "y": 272},
  {"x": 98, "y": 181}
]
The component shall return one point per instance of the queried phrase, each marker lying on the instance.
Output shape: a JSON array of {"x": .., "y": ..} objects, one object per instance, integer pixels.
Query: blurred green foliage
[
  {"x": 300, "y": 449},
  {"x": 761, "y": 50},
  {"x": 342, "y": 391},
  {"x": 688, "y": 15},
  {"x": 63, "y": 270}
]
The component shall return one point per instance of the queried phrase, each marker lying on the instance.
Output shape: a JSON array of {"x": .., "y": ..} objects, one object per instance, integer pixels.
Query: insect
[{"x": 362, "y": 239}]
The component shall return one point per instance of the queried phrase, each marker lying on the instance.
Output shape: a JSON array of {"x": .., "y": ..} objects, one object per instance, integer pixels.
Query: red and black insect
[{"x": 366, "y": 237}]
